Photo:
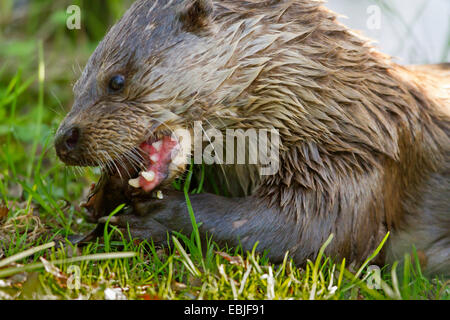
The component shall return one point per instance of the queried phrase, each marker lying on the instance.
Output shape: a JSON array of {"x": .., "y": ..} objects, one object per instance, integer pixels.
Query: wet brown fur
[{"x": 365, "y": 142}]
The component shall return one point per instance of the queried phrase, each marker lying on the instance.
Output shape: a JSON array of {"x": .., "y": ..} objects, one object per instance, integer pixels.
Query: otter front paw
[
  {"x": 154, "y": 218},
  {"x": 138, "y": 227}
]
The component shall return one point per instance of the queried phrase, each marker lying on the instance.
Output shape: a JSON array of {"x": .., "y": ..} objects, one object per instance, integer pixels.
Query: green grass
[{"x": 39, "y": 196}]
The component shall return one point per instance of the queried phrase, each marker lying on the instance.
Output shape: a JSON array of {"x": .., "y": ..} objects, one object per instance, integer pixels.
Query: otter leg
[{"x": 230, "y": 221}]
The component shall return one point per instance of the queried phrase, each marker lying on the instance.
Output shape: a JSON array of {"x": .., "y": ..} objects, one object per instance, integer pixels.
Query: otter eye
[{"x": 117, "y": 83}]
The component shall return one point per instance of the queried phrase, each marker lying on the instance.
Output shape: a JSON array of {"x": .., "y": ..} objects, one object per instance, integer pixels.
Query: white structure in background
[{"x": 412, "y": 31}]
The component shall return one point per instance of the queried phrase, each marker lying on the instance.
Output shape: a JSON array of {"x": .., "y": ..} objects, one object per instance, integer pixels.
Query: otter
[{"x": 364, "y": 142}]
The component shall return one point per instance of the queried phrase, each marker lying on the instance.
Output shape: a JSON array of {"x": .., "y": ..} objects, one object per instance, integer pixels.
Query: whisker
[
  {"x": 221, "y": 165},
  {"x": 59, "y": 104}
]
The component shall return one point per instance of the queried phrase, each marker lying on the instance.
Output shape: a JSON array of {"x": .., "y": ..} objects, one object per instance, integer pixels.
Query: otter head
[{"x": 144, "y": 80}]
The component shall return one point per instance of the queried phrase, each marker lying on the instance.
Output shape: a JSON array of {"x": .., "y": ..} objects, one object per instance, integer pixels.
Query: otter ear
[{"x": 195, "y": 14}]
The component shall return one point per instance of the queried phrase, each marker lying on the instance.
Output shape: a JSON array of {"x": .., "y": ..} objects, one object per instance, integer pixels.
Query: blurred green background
[
  {"x": 33, "y": 35},
  {"x": 25, "y": 24}
]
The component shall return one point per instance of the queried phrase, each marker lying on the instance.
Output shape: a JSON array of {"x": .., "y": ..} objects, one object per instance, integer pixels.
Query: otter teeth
[
  {"x": 159, "y": 195},
  {"x": 148, "y": 175},
  {"x": 134, "y": 183},
  {"x": 157, "y": 145}
]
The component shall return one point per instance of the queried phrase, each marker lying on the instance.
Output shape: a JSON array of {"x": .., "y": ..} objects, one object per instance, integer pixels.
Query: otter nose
[{"x": 66, "y": 142}]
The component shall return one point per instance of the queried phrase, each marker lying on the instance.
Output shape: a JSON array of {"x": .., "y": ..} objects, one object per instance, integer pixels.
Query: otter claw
[
  {"x": 81, "y": 239},
  {"x": 112, "y": 220}
]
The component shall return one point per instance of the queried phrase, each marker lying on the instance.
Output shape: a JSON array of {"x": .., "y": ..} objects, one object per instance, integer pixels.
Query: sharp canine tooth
[
  {"x": 134, "y": 183},
  {"x": 148, "y": 175},
  {"x": 157, "y": 145},
  {"x": 159, "y": 195}
]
